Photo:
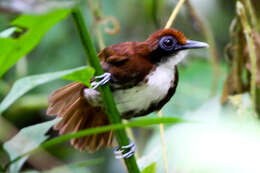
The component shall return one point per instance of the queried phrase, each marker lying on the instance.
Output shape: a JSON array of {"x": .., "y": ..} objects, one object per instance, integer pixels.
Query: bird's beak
[{"x": 190, "y": 44}]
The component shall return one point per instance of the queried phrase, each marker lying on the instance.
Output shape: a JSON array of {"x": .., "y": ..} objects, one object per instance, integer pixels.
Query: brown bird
[{"x": 143, "y": 77}]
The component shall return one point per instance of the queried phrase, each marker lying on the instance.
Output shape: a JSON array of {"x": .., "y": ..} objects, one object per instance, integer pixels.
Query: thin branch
[
  {"x": 168, "y": 25},
  {"x": 174, "y": 14},
  {"x": 163, "y": 143},
  {"x": 105, "y": 91},
  {"x": 251, "y": 12}
]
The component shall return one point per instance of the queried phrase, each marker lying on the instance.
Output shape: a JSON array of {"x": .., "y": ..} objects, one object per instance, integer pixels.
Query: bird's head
[{"x": 169, "y": 45}]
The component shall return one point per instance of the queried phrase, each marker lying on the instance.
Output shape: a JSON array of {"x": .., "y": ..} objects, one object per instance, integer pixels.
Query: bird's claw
[
  {"x": 125, "y": 151},
  {"x": 104, "y": 78}
]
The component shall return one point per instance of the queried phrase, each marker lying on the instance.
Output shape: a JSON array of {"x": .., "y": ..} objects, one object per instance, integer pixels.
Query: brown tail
[{"x": 68, "y": 102}]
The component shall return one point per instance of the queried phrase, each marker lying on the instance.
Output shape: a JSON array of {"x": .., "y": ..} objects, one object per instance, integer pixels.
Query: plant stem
[
  {"x": 165, "y": 163},
  {"x": 109, "y": 102},
  {"x": 159, "y": 113},
  {"x": 248, "y": 34},
  {"x": 174, "y": 14},
  {"x": 251, "y": 12}
]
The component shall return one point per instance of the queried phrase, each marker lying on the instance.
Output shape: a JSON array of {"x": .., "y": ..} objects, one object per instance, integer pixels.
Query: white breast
[{"x": 142, "y": 96}]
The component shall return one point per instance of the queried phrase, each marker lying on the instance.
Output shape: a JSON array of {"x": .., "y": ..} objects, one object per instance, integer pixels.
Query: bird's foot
[
  {"x": 103, "y": 79},
  {"x": 125, "y": 151}
]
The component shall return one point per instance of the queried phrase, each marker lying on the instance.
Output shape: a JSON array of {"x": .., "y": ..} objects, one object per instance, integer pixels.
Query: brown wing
[
  {"x": 77, "y": 114},
  {"x": 127, "y": 62}
]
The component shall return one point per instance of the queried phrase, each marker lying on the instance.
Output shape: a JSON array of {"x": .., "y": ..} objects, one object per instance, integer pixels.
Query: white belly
[{"x": 142, "y": 96}]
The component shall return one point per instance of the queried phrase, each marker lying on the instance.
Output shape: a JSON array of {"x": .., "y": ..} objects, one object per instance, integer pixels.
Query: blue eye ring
[{"x": 167, "y": 43}]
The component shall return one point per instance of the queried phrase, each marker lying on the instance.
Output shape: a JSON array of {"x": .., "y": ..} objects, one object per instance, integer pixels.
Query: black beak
[{"x": 190, "y": 44}]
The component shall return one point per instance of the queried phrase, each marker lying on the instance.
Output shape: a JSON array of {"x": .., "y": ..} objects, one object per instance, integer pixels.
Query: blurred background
[{"x": 202, "y": 74}]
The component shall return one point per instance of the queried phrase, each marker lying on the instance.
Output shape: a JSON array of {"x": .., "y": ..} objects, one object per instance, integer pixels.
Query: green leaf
[
  {"x": 136, "y": 123},
  {"x": 80, "y": 76},
  {"x": 150, "y": 169},
  {"x": 26, "y": 140},
  {"x": 25, "y": 84},
  {"x": 33, "y": 29}
]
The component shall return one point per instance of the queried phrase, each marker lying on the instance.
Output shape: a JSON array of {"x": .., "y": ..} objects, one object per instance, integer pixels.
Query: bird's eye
[{"x": 167, "y": 43}]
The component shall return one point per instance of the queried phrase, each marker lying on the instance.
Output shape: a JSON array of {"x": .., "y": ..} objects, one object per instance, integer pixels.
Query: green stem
[{"x": 106, "y": 94}]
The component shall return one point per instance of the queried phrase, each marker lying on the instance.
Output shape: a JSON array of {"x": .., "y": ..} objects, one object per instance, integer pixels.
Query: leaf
[
  {"x": 80, "y": 76},
  {"x": 26, "y": 140},
  {"x": 25, "y": 84},
  {"x": 136, "y": 123},
  {"x": 33, "y": 29},
  {"x": 150, "y": 169}
]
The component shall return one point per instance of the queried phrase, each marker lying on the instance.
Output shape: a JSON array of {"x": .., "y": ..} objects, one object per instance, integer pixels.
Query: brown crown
[{"x": 154, "y": 38}]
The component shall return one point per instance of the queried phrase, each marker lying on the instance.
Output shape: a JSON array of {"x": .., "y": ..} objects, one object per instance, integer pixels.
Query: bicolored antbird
[{"x": 143, "y": 77}]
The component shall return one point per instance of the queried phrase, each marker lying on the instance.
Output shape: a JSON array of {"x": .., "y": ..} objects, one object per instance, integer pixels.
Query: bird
[{"x": 143, "y": 77}]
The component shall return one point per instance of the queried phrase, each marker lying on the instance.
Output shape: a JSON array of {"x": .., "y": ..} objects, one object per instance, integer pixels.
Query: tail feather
[
  {"x": 69, "y": 103},
  {"x": 65, "y": 91}
]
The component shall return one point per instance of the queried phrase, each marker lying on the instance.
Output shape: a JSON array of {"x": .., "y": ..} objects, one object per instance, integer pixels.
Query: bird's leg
[
  {"x": 125, "y": 151},
  {"x": 103, "y": 79}
]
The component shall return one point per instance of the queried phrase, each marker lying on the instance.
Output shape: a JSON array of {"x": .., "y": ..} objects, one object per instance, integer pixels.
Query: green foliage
[
  {"x": 20, "y": 155},
  {"x": 82, "y": 76},
  {"x": 25, "y": 84},
  {"x": 150, "y": 169},
  {"x": 154, "y": 9},
  {"x": 136, "y": 123},
  {"x": 33, "y": 29},
  {"x": 26, "y": 140}
]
